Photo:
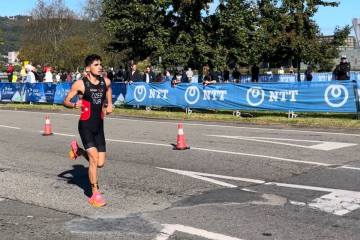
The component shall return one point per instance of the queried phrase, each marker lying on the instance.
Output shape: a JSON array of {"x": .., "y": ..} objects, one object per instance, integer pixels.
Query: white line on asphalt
[
  {"x": 323, "y": 145},
  {"x": 170, "y": 229},
  {"x": 217, "y": 151},
  {"x": 65, "y": 134},
  {"x": 4, "y": 126},
  {"x": 336, "y": 201},
  {"x": 200, "y": 124},
  {"x": 263, "y": 156}
]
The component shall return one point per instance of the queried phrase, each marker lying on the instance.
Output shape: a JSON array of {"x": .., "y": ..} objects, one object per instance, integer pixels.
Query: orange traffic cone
[
  {"x": 181, "y": 144},
  {"x": 47, "y": 127}
]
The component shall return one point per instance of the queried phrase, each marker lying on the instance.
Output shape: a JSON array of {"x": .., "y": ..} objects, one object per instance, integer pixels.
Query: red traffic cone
[
  {"x": 181, "y": 144},
  {"x": 47, "y": 127}
]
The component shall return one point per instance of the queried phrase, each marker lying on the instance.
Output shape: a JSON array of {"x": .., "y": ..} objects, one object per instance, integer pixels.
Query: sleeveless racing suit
[{"x": 91, "y": 123}]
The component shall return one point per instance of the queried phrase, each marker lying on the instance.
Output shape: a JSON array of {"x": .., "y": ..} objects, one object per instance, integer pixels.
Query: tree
[{"x": 291, "y": 32}]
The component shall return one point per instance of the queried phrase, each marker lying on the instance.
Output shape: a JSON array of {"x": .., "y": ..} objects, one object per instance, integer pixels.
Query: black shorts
[{"x": 92, "y": 137}]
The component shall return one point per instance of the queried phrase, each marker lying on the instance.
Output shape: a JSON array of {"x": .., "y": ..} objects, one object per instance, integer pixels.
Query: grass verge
[{"x": 323, "y": 120}]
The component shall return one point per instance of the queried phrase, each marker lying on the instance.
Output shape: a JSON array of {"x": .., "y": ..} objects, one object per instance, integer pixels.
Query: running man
[{"x": 93, "y": 91}]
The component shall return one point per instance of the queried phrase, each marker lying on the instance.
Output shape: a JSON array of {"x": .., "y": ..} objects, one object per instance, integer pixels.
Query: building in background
[
  {"x": 13, "y": 57},
  {"x": 356, "y": 25},
  {"x": 352, "y": 52}
]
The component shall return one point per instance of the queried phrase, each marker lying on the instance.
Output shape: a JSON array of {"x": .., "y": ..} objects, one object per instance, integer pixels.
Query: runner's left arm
[{"x": 109, "y": 108}]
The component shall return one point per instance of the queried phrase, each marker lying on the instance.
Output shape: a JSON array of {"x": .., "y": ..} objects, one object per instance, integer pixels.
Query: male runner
[{"x": 93, "y": 90}]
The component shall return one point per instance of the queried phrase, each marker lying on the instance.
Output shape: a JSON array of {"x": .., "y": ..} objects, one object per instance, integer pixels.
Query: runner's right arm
[{"x": 77, "y": 87}]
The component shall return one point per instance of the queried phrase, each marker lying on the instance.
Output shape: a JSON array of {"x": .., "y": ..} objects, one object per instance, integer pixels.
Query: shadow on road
[{"x": 78, "y": 176}]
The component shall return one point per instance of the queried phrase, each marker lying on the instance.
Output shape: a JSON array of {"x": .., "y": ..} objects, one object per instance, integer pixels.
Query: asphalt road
[{"x": 236, "y": 181}]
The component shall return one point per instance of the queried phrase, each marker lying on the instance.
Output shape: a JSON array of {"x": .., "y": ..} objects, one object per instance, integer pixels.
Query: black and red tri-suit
[{"x": 91, "y": 123}]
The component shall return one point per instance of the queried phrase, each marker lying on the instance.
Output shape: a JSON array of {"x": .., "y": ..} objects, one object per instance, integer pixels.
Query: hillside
[{"x": 11, "y": 30}]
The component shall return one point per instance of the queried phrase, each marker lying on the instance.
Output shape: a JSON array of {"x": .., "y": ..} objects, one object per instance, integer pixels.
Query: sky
[{"x": 327, "y": 18}]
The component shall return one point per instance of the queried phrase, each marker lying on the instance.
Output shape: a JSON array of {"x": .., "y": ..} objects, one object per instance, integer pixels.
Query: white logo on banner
[
  {"x": 335, "y": 92},
  {"x": 140, "y": 93},
  {"x": 255, "y": 96},
  {"x": 192, "y": 95}
]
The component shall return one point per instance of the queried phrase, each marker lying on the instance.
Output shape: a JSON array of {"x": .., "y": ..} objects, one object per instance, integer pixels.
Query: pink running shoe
[
  {"x": 73, "y": 153},
  {"x": 97, "y": 200}
]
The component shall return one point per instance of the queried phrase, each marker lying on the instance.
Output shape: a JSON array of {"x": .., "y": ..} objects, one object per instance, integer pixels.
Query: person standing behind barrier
[
  {"x": 189, "y": 74},
  {"x": 48, "y": 75},
  {"x": 30, "y": 76},
  {"x": 308, "y": 73},
  {"x": 255, "y": 70},
  {"x": 10, "y": 71},
  {"x": 179, "y": 77},
  {"x": 342, "y": 70},
  {"x": 134, "y": 74},
  {"x": 236, "y": 75},
  {"x": 226, "y": 75},
  {"x": 149, "y": 76}
]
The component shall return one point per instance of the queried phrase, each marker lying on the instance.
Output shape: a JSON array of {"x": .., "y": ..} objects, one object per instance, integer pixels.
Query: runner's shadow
[{"x": 78, "y": 176}]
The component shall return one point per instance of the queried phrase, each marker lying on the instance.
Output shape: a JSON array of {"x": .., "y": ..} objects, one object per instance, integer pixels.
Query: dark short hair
[{"x": 91, "y": 58}]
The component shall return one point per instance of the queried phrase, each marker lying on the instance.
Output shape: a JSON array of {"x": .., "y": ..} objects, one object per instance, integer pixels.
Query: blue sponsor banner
[
  {"x": 331, "y": 96},
  {"x": 118, "y": 93},
  {"x": 34, "y": 92},
  {"x": 61, "y": 92},
  {"x": 49, "y": 91},
  {"x": 10, "y": 92}
]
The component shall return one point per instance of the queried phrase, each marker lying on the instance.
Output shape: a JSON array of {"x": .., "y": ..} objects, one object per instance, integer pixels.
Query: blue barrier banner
[
  {"x": 331, "y": 96},
  {"x": 34, "y": 92},
  {"x": 118, "y": 93},
  {"x": 49, "y": 91},
  {"x": 10, "y": 92},
  {"x": 61, "y": 92}
]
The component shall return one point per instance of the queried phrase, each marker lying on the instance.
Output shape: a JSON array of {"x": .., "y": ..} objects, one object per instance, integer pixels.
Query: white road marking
[
  {"x": 4, "y": 126},
  {"x": 222, "y": 151},
  {"x": 336, "y": 201},
  {"x": 170, "y": 229},
  {"x": 197, "y": 124},
  {"x": 322, "y": 145},
  {"x": 65, "y": 134},
  {"x": 263, "y": 156}
]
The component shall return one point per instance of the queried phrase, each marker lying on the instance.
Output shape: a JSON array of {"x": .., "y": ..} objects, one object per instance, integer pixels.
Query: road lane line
[
  {"x": 322, "y": 145},
  {"x": 221, "y": 151},
  {"x": 11, "y": 127},
  {"x": 335, "y": 201},
  {"x": 216, "y": 151},
  {"x": 198, "y": 124},
  {"x": 170, "y": 229}
]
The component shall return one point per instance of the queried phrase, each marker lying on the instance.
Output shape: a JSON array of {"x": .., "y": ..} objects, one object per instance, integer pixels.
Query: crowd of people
[{"x": 31, "y": 74}]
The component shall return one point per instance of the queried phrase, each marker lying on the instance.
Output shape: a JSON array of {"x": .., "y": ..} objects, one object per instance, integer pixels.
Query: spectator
[
  {"x": 216, "y": 75},
  {"x": 58, "y": 77},
  {"x": 111, "y": 74},
  {"x": 48, "y": 75},
  {"x": 10, "y": 71},
  {"x": 236, "y": 75},
  {"x": 121, "y": 74},
  {"x": 63, "y": 76},
  {"x": 69, "y": 77},
  {"x": 281, "y": 70},
  {"x": 167, "y": 75},
  {"x": 342, "y": 70},
  {"x": 149, "y": 76},
  {"x": 133, "y": 75},
  {"x": 226, "y": 75},
  {"x": 30, "y": 77},
  {"x": 308, "y": 73},
  {"x": 159, "y": 78},
  {"x": 189, "y": 74},
  {"x": 255, "y": 73},
  {"x": 179, "y": 77}
]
